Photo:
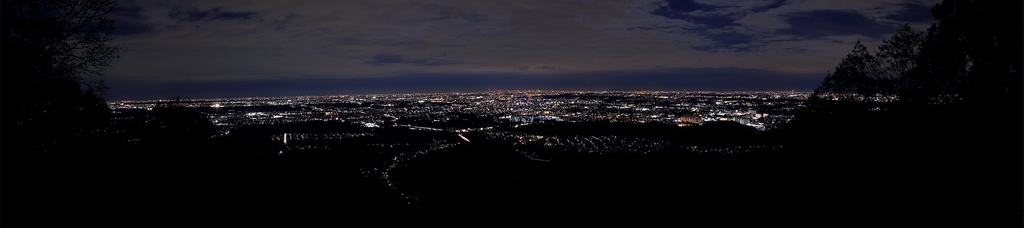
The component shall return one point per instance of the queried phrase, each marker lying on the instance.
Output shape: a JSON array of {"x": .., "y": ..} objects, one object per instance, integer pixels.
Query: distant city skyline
[
  {"x": 199, "y": 49},
  {"x": 683, "y": 108}
]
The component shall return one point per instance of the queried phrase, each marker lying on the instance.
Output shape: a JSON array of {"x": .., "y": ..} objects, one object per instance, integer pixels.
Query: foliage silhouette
[
  {"x": 950, "y": 141},
  {"x": 863, "y": 75},
  {"x": 176, "y": 121},
  {"x": 966, "y": 57},
  {"x": 960, "y": 60},
  {"x": 54, "y": 117},
  {"x": 54, "y": 54}
]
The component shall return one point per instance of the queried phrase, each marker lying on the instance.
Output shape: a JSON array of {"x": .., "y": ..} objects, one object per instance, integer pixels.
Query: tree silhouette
[
  {"x": 849, "y": 79},
  {"x": 966, "y": 56},
  {"x": 174, "y": 121},
  {"x": 886, "y": 73},
  {"x": 958, "y": 105},
  {"x": 895, "y": 60},
  {"x": 54, "y": 52},
  {"x": 962, "y": 58}
]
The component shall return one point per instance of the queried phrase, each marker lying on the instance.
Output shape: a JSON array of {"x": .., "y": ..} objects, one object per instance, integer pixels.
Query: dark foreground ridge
[{"x": 931, "y": 166}]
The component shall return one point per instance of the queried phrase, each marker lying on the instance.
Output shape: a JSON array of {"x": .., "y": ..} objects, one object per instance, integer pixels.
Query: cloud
[
  {"x": 831, "y": 23},
  {"x": 276, "y": 40},
  {"x": 385, "y": 59},
  {"x": 129, "y": 19},
  {"x": 876, "y": 11},
  {"x": 210, "y": 14}
]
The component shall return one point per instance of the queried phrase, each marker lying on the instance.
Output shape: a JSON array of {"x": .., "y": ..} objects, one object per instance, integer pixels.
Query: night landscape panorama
[{"x": 621, "y": 113}]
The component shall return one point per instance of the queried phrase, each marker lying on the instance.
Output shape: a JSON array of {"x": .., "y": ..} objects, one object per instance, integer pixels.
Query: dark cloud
[
  {"x": 654, "y": 28},
  {"x": 835, "y": 23},
  {"x": 730, "y": 41},
  {"x": 381, "y": 60},
  {"x": 385, "y": 59},
  {"x": 773, "y": 5},
  {"x": 124, "y": 28},
  {"x": 718, "y": 21},
  {"x": 128, "y": 19},
  {"x": 680, "y": 9},
  {"x": 211, "y": 14},
  {"x": 914, "y": 13},
  {"x": 349, "y": 40},
  {"x": 674, "y": 7},
  {"x": 127, "y": 10}
]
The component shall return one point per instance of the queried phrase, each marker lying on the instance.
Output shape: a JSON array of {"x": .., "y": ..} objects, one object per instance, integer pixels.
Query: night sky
[{"x": 208, "y": 49}]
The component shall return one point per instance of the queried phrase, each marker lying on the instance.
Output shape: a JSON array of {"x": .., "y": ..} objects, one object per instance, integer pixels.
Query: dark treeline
[
  {"x": 870, "y": 169},
  {"x": 174, "y": 174}
]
